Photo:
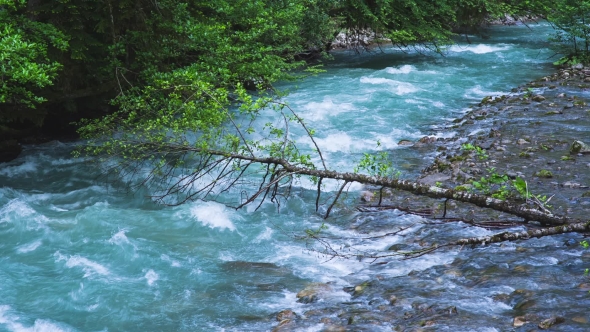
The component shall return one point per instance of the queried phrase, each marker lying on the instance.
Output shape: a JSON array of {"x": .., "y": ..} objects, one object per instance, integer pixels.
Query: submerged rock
[
  {"x": 547, "y": 323},
  {"x": 313, "y": 292},
  {"x": 519, "y": 321}
]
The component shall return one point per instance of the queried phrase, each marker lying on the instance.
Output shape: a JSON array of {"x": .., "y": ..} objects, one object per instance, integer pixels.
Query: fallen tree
[{"x": 181, "y": 170}]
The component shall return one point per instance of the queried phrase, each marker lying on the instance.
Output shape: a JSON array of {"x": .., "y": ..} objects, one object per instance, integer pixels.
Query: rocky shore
[{"x": 538, "y": 133}]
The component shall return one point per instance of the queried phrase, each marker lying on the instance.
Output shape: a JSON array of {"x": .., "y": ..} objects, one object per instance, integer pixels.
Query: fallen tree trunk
[{"x": 286, "y": 169}]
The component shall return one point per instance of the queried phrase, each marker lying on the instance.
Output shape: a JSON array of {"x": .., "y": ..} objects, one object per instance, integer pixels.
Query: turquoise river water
[{"x": 76, "y": 254}]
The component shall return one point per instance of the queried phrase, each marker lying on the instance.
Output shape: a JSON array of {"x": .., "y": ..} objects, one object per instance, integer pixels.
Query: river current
[{"x": 77, "y": 254}]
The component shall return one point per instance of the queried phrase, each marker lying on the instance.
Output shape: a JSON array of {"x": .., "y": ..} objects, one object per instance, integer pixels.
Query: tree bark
[{"x": 283, "y": 166}]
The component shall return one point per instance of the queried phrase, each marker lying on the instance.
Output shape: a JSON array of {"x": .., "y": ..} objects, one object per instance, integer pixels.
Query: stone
[
  {"x": 367, "y": 196},
  {"x": 569, "y": 184},
  {"x": 432, "y": 179},
  {"x": 359, "y": 289},
  {"x": 524, "y": 304},
  {"x": 579, "y": 147},
  {"x": 522, "y": 141},
  {"x": 405, "y": 142},
  {"x": 581, "y": 320},
  {"x": 392, "y": 299},
  {"x": 538, "y": 98},
  {"x": 547, "y": 323},
  {"x": 427, "y": 139},
  {"x": 519, "y": 321},
  {"x": 313, "y": 292},
  {"x": 578, "y": 66},
  {"x": 286, "y": 314}
]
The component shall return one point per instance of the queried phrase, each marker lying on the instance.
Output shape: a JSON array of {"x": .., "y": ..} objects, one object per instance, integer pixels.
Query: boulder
[
  {"x": 286, "y": 314},
  {"x": 313, "y": 292},
  {"x": 405, "y": 142},
  {"x": 519, "y": 321},
  {"x": 547, "y": 323},
  {"x": 367, "y": 196},
  {"x": 579, "y": 147},
  {"x": 538, "y": 98}
]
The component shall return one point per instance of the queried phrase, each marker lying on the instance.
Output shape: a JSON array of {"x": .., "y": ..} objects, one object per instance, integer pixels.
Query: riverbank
[{"x": 525, "y": 134}]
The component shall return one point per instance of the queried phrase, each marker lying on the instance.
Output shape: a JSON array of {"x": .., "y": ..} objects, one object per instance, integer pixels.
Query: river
[{"x": 77, "y": 254}]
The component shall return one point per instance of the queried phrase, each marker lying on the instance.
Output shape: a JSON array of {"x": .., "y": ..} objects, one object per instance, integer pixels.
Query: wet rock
[
  {"x": 581, "y": 320},
  {"x": 579, "y": 147},
  {"x": 334, "y": 328},
  {"x": 432, "y": 179},
  {"x": 313, "y": 292},
  {"x": 286, "y": 314},
  {"x": 367, "y": 196},
  {"x": 405, "y": 142},
  {"x": 543, "y": 173},
  {"x": 486, "y": 100},
  {"x": 519, "y": 321},
  {"x": 524, "y": 304},
  {"x": 392, "y": 299},
  {"x": 427, "y": 139},
  {"x": 569, "y": 184},
  {"x": 522, "y": 141},
  {"x": 538, "y": 98},
  {"x": 359, "y": 289},
  {"x": 285, "y": 326},
  {"x": 547, "y": 323}
]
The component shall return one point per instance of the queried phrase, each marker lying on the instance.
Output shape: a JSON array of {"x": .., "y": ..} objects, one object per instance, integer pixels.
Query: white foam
[
  {"x": 20, "y": 170},
  {"x": 265, "y": 235},
  {"x": 399, "y": 88},
  {"x": 405, "y": 69},
  {"x": 413, "y": 101},
  {"x": 151, "y": 277},
  {"x": 15, "y": 207},
  {"x": 119, "y": 238},
  {"x": 477, "y": 93},
  {"x": 478, "y": 49},
  {"x": 173, "y": 262},
  {"x": 316, "y": 111},
  {"x": 29, "y": 247},
  {"x": 213, "y": 214},
  {"x": 341, "y": 141},
  {"x": 89, "y": 267},
  {"x": 11, "y": 321}
]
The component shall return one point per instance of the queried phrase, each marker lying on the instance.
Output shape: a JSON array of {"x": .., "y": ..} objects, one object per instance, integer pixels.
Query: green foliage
[
  {"x": 25, "y": 65},
  {"x": 378, "y": 165},
  {"x": 571, "y": 19},
  {"x": 544, "y": 173},
  {"x": 494, "y": 184},
  {"x": 481, "y": 153}
]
